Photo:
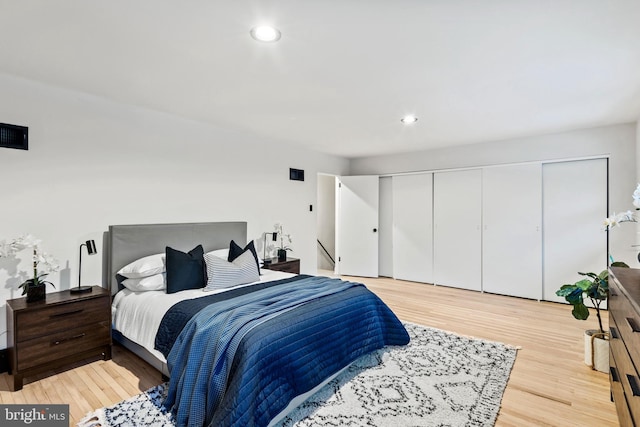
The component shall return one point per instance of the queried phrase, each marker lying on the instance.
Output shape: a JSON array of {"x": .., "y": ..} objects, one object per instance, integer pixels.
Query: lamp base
[{"x": 80, "y": 289}]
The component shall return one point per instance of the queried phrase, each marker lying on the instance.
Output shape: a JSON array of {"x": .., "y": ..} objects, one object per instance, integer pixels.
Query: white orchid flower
[
  {"x": 279, "y": 227},
  {"x": 27, "y": 241},
  {"x": 617, "y": 218},
  {"x": 610, "y": 222},
  {"x": 627, "y": 216},
  {"x": 43, "y": 263},
  {"x": 636, "y": 197},
  {"x": 49, "y": 263}
]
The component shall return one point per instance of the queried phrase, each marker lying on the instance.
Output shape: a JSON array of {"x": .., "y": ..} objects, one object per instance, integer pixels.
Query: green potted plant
[{"x": 594, "y": 288}]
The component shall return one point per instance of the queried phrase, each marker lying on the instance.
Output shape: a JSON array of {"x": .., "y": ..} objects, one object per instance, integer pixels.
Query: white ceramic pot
[{"x": 599, "y": 358}]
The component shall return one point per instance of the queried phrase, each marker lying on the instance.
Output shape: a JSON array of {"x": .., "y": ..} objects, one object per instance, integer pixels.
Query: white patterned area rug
[{"x": 440, "y": 379}]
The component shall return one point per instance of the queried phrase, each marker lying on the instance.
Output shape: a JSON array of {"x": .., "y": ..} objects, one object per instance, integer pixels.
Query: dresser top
[{"x": 629, "y": 280}]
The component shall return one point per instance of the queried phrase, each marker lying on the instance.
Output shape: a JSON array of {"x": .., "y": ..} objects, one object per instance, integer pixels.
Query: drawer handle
[
  {"x": 67, "y": 313},
  {"x": 614, "y": 374},
  {"x": 632, "y": 324},
  {"x": 612, "y": 293},
  {"x": 614, "y": 332},
  {"x": 633, "y": 383},
  {"x": 75, "y": 337}
]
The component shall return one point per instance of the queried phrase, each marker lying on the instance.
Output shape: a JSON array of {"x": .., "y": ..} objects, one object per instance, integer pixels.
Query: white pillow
[
  {"x": 157, "y": 282},
  {"x": 144, "y": 267},
  {"x": 224, "y": 274},
  {"x": 224, "y": 254},
  {"x": 220, "y": 253}
]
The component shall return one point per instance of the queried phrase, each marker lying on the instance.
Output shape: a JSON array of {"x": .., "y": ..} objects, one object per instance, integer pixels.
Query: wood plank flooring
[{"x": 549, "y": 386}]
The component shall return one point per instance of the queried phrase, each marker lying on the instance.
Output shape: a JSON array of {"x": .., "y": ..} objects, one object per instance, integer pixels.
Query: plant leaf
[
  {"x": 619, "y": 263},
  {"x": 580, "y": 312}
]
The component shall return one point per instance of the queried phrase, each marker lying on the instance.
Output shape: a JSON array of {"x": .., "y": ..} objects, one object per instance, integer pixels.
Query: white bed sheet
[{"x": 137, "y": 315}]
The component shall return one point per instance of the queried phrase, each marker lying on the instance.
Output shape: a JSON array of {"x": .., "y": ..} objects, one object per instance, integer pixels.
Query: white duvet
[{"x": 137, "y": 315}]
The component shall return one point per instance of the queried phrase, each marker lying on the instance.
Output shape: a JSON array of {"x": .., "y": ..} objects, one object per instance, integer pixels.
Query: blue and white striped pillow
[{"x": 223, "y": 274}]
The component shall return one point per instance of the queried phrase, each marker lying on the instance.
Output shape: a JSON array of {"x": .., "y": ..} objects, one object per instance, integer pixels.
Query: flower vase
[
  {"x": 36, "y": 292},
  {"x": 282, "y": 255}
]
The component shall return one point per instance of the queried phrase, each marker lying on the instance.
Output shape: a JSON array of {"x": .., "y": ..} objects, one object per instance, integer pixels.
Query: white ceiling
[{"x": 345, "y": 71}]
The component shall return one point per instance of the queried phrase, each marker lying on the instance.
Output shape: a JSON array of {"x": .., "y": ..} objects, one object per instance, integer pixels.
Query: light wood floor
[{"x": 549, "y": 386}]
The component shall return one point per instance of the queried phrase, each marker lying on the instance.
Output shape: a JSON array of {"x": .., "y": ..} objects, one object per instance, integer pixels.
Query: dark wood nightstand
[
  {"x": 291, "y": 265},
  {"x": 62, "y": 329}
]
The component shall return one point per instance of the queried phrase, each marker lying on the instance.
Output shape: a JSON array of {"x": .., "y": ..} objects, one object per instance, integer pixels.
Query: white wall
[
  {"x": 92, "y": 163},
  {"x": 638, "y": 151},
  {"x": 618, "y": 142}
]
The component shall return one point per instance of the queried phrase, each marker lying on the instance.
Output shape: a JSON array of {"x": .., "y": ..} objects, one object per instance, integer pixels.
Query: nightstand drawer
[
  {"x": 291, "y": 265},
  {"x": 63, "y": 344},
  {"x": 62, "y": 317}
]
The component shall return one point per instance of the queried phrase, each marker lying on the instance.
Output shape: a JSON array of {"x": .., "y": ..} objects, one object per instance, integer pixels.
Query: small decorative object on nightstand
[
  {"x": 65, "y": 328},
  {"x": 274, "y": 238},
  {"x": 91, "y": 250},
  {"x": 291, "y": 265}
]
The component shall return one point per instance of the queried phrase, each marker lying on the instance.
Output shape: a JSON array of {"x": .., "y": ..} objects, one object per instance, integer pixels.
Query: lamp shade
[{"x": 91, "y": 247}]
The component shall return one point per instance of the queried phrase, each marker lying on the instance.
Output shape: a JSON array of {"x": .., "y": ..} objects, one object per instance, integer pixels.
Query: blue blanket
[
  {"x": 239, "y": 362},
  {"x": 180, "y": 313}
]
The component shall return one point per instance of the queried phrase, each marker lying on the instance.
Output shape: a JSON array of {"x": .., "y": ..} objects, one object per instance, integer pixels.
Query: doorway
[
  {"x": 347, "y": 225},
  {"x": 326, "y": 224}
]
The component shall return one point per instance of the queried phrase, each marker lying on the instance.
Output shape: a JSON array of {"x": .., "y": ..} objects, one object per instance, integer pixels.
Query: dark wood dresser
[
  {"x": 624, "y": 344},
  {"x": 60, "y": 330},
  {"x": 291, "y": 265}
]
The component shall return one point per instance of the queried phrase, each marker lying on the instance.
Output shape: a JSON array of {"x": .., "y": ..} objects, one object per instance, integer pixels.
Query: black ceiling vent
[{"x": 12, "y": 136}]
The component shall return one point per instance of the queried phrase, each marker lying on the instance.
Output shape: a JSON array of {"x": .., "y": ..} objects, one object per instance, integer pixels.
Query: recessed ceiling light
[
  {"x": 409, "y": 119},
  {"x": 265, "y": 33}
]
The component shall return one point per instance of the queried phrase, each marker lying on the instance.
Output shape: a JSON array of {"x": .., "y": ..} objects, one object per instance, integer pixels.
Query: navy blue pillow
[
  {"x": 185, "y": 270},
  {"x": 235, "y": 251}
]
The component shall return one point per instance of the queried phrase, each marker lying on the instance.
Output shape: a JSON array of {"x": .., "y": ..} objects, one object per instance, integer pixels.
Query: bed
[{"x": 246, "y": 354}]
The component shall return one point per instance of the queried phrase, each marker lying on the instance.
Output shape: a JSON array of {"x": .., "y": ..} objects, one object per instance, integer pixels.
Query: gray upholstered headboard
[{"x": 127, "y": 243}]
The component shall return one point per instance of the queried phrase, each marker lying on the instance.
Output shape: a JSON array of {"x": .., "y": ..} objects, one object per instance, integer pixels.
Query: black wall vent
[
  {"x": 12, "y": 136},
  {"x": 296, "y": 174}
]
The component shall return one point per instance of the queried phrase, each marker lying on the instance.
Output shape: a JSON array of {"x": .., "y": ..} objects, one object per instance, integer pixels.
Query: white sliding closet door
[
  {"x": 457, "y": 217},
  {"x": 413, "y": 227},
  {"x": 512, "y": 235},
  {"x": 574, "y": 206}
]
